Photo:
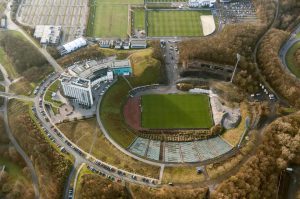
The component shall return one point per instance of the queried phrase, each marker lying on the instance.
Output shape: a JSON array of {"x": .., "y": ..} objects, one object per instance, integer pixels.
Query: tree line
[{"x": 258, "y": 177}]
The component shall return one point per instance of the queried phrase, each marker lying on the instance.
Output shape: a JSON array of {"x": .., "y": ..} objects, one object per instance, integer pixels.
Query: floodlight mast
[{"x": 238, "y": 57}]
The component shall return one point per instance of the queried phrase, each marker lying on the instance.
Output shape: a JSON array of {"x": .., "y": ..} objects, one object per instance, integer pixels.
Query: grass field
[
  {"x": 139, "y": 19},
  {"x": 176, "y": 111},
  {"x": 109, "y": 18},
  {"x": 290, "y": 60},
  {"x": 175, "y": 23}
]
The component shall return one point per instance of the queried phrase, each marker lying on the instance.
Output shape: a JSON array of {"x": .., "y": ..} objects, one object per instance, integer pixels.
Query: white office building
[
  {"x": 78, "y": 90},
  {"x": 48, "y": 34}
]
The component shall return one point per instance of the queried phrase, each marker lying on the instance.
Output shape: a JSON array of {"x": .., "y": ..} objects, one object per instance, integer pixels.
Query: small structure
[
  {"x": 126, "y": 45},
  {"x": 138, "y": 43},
  {"x": 122, "y": 67},
  {"x": 105, "y": 43},
  {"x": 72, "y": 46},
  {"x": 48, "y": 34},
  {"x": 3, "y": 22},
  {"x": 77, "y": 89},
  {"x": 118, "y": 44}
]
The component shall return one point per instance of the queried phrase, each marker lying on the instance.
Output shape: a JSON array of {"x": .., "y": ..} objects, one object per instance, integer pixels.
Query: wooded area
[
  {"x": 51, "y": 166},
  {"x": 272, "y": 69},
  {"x": 258, "y": 178}
]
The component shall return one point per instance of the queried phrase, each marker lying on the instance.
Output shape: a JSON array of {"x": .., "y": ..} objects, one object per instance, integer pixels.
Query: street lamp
[{"x": 238, "y": 57}]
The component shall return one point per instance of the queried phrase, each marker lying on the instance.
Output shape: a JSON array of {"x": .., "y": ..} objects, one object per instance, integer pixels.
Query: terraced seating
[
  {"x": 172, "y": 152},
  {"x": 139, "y": 146},
  {"x": 189, "y": 152},
  {"x": 153, "y": 150},
  {"x": 203, "y": 150},
  {"x": 220, "y": 145}
]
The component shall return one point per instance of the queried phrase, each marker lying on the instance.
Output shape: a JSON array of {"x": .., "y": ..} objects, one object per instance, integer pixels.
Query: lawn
[
  {"x": 139, "y": 19},
  {"x": 182, "y": 174},
  {"x": 290, "y": 60},
  {"x": 48, "y": 96},
  {"x": 111, "y": 21},
  {"x": 87, "y": 135},
  {"x": 176, "y": 111},
  {"x": 175, "y": 23}
]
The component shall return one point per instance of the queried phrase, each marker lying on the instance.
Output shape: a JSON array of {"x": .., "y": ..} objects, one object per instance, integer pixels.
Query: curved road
[{"x": 285, "y": 48}]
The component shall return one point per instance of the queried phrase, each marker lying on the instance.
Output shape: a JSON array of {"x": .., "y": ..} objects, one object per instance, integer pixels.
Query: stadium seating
[{"x": 153, "y": 150}]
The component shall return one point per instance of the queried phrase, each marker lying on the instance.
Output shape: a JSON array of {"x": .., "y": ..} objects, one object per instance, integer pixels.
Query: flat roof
[{"x": 75, "y": 44}]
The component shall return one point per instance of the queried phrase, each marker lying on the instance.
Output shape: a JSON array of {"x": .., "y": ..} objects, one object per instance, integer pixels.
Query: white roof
[{"x": 75, "y": 44}]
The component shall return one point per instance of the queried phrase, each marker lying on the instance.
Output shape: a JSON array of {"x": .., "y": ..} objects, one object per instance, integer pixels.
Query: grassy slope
[
  {"x": 87, "y": 135},
  {"x": 53, "y": 89},
  {"x": 290, "y": 60},
  {"x": 4, "y": 60},
  {"x": 146, "y": 71},
  {"x": 234, "y": 135},
  {"x": 182, "y": 174},
  {"x": 176, "y": 111},
  {"x": 175, "y": 23}
]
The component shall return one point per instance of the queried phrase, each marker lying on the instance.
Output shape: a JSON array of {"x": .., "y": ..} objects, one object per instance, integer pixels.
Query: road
[
  {"x": 12, "y": 26},
  {"x": 14, "y": 96},
  {"x": 285, "y": 48},
  {"x": 34, "y": 177}
]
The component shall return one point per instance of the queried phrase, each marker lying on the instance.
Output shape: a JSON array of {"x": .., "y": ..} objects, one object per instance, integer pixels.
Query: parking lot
[
  {"x": 238, "y": 11},
  {"x": 72, "y": 15}
]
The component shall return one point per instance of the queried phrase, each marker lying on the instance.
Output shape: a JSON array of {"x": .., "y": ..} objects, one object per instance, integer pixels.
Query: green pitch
[
  {"x": 139, "y": 19},
  {"x": 176, "y": 111},
  {"x": 175, "y": 23}
]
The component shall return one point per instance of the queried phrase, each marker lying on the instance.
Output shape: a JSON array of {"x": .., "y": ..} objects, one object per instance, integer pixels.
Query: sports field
[
  {"x": 175, "y": 23},
  {"x": 176, "y": 111},
  {"x": 139, "y": 19},
  {"x": 109, "y": 18}
]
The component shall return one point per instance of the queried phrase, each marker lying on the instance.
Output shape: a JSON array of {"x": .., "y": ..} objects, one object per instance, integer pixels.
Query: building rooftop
[
  {"x": 88, "y": 69},
  {"x": 48, "y": 33},
  {"x": 81, "y": 82},
  {"x": 75, "y": 44}
]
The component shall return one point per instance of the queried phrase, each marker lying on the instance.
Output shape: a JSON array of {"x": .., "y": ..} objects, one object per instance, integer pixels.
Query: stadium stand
[
  {"x": 140, "y": 146},
  {"x": 177, "y": 152},
  {"x": 153, "y": 150}
]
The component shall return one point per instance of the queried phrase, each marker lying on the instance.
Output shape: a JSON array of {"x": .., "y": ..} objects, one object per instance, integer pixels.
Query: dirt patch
[
  {"x": 132, "y": 113},
  {"x": 208, "y": 24}
]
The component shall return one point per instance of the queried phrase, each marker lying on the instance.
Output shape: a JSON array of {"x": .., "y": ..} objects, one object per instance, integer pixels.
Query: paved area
[{"x": 72, "y": 15}]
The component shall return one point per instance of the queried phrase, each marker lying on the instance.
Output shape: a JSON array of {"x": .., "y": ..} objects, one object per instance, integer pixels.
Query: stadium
[{"x": 169, "y": 111}]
